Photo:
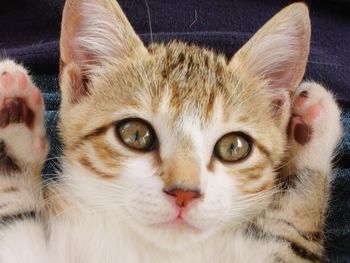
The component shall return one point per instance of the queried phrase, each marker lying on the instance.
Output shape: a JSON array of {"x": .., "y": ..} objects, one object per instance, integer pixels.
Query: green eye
[
  {"x": 233, "y": 147},
  {"x": 136, "y": 134}
]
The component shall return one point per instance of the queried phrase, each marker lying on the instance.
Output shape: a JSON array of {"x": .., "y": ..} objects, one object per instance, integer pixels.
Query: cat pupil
[
  {"x": 232, "y": 150},
  {"x": 136, "y": 136}
]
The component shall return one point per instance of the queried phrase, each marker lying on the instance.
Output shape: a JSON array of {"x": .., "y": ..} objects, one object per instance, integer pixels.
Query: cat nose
[{"x": 183, "y": 197}]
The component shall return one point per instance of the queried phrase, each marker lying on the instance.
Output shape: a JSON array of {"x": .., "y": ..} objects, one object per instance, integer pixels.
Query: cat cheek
[
  {"x": 214, "y": 210},
  {"x": 210, "y": 214},
  {"x": 149, "y": 211},
  {"x": 147, "y": 204}
]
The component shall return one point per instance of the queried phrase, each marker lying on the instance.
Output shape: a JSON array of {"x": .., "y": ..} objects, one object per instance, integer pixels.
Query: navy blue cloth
[{"x": 29, "y": 32}]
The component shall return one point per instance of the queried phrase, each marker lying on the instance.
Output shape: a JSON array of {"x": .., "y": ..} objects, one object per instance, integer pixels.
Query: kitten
[{"x": 172, "y": 153}]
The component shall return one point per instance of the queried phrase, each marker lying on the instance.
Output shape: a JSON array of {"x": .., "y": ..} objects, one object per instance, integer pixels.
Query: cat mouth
[
  {"x": 178, "y": 222},
  {"x": 179, "y": 216}
]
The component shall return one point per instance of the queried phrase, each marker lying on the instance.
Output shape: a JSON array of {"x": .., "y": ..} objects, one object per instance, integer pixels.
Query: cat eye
[
  {"x": 233, "y": 147},
  {"x": 136, "y": 134}
]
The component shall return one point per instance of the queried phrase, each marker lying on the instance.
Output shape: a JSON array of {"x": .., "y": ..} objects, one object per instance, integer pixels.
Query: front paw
[
  {"x": 315, "y": 127},
  {"x": 22, "y": 131}
]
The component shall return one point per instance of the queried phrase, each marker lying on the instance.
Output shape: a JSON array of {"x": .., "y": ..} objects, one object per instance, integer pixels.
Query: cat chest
[{"x": 91, "y": 245}]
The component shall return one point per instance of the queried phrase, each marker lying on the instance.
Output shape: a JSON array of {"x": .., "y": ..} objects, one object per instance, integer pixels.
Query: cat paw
[
  {"x": 22, "y": 131},
  {"x": 315, "y": 127}
]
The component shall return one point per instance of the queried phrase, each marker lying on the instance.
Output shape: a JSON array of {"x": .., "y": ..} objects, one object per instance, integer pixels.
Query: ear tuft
[{"x": 73, "y": 79}]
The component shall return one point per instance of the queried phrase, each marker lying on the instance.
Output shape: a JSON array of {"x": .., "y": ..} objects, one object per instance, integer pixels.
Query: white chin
[{"x": 175, "y": 235}]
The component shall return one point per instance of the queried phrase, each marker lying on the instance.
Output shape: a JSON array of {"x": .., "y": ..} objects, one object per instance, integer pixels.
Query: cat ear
[
  {"x": 93, "y": 33},
  {"x": 278, "y": 52}
]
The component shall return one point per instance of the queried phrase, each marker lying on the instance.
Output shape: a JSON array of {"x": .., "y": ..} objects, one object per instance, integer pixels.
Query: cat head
[{"x": 174, "y": 140}]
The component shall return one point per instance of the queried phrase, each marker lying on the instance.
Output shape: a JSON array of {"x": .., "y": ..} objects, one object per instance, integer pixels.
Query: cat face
[{"x": 174, "y": 140}]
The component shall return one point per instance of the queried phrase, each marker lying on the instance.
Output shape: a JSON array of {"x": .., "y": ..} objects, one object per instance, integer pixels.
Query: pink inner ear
[
  {"x": 76, "y": 61},
  {"x": 71, "y": 24},
  {"x": 283, "y": 78},
  {"x": 71, "y": 53}
]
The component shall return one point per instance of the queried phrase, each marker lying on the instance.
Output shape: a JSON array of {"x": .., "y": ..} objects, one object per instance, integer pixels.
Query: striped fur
[{"x": 110, "y": 205}]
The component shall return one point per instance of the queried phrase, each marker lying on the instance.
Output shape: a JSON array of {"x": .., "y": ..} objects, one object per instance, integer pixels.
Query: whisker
[{"x": 149, "y": 20}]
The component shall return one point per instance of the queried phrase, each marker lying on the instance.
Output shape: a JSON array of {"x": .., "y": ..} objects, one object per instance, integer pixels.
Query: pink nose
[{"x": 182, "y": 197}]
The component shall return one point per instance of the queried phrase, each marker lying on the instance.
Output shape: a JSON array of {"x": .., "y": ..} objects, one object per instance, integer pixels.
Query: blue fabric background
[{"x": 29, "y": 32}]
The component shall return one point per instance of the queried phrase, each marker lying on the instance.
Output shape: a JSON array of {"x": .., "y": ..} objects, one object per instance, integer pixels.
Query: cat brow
[
  {"x": 98, "y": 132},
  {"x": 265, "y": 151}
]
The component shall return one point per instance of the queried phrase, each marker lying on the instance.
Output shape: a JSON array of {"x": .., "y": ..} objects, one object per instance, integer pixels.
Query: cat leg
[
  {"x": 23, "y": 148},
  {"x": 315, "y": 128},
  {"x": 295, "y": 221}
]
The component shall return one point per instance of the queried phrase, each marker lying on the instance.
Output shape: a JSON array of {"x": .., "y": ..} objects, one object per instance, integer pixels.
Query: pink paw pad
[
  {"x": 20, "y": 101},
  {"x": 299, "y": 130},
  {"x": 314, "y": 112},
  {"x": 15, "y": 110},
  {"x": 37, "y": 97},
  {"x": 22, "y": 80},
  {"x": 41, "y": 144},
  {"x": 303, "y": 118},
  {"x": 6, "y": 80}
]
